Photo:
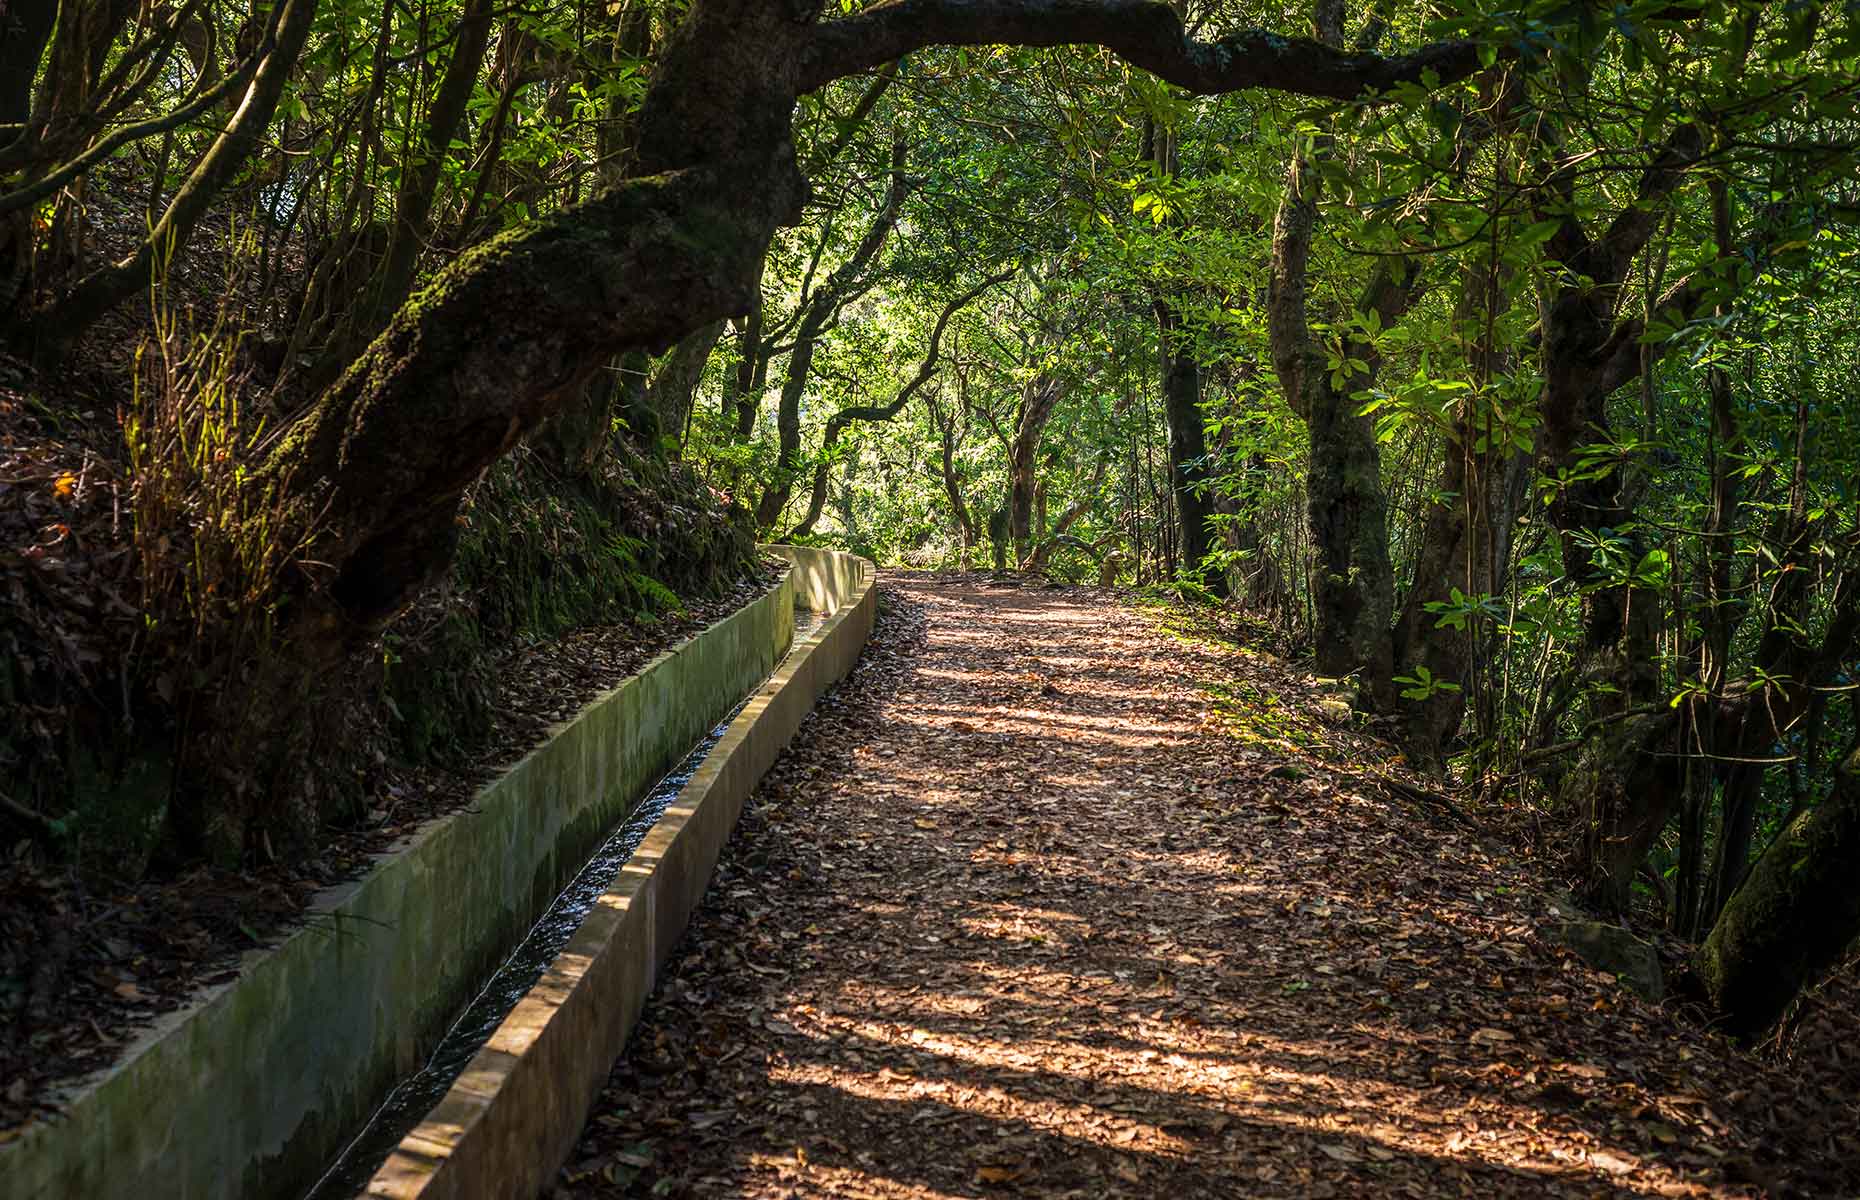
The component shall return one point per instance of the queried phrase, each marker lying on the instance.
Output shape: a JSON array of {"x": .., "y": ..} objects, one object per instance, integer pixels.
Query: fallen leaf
[
  {"x": 1661, "y": 1132},
  {"x": 1613, "y": 1164}
]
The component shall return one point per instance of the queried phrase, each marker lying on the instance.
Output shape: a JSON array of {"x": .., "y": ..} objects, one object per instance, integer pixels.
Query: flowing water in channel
[{"x": 416, "y": 1095}]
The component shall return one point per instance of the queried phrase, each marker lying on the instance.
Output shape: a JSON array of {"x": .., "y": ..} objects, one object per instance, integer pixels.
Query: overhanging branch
[{"x": 1145, "y": 34}]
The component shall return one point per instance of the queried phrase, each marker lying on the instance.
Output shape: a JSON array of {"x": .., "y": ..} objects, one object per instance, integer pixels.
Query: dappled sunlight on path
[{"x": 1016, "y": 916}]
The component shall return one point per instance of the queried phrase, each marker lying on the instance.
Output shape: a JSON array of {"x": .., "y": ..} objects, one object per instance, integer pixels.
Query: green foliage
[
  {"x": 1423, "y": 686},
  {"x": 1590, "y": 316},
  {"x": 540, "y": 556}
]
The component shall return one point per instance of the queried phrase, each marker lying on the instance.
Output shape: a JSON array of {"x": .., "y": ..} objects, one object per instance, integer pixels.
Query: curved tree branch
[
  {"x": 496, "y": 344},
  {"x": 852, "y": 280},
  {"x": 837, "y": 423},
  {"x": 51, "y": 181},
  {"x": 372, "y": 475},
  {"x": 850, "y": 124},
  {"x": 1145, "y": 34}
]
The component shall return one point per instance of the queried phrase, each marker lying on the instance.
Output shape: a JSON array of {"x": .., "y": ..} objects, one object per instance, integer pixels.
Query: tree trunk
[
  {"x": 1038, "y": 397},
  {"x": 1349, "y": 528},
  {"x": 742, "y": 391},
  {"x": 673, "y": 390},
  {"x": 998, "y": 536},
  {"x": 1466, "y": 538},
  {"x": 1354, "y": 585},
  {"x": 25, "y": 28},
  {"x": 1631, "y": 776},
  {"x": 1794, "y": 917},
  {"x": 1772, "y": 713},
  {"x": 1191, "y": 475},
  {"x": 411, "y": 229},
  {"x": 1587, "y": 355},
  {"x": 632, "y": 380},
  {"x": 367, "y": 483},
  {"x": 788, "y": 425},
  {"x": 1624, "y": 787},
  {"x": 952, "y": 482},
  {"x": 575, "y": 436},
  {"x": 23, "y": 35},
  {"x": 373, "y": 474}
]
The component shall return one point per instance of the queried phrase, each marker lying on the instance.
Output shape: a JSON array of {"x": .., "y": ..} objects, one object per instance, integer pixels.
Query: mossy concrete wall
[
  {"x": 824, "y": 580},
  {"x": 515, "y": 1112},
  {"x": 250, "y": 1091}
]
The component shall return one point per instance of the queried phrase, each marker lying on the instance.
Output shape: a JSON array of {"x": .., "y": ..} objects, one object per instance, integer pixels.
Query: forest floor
[
  {"x": 1049, "y": 901},
  {"x": 88, "y": 960}
]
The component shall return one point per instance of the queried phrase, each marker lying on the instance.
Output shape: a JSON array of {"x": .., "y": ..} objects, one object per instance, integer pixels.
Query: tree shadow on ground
[{"x": 1016, "y": 915}]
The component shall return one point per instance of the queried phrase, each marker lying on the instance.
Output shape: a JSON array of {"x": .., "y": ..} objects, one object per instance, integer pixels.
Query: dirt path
[{"x": 1019, "y": 915}]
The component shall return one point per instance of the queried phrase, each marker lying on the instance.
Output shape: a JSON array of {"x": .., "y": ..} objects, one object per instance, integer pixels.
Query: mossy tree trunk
[
  {"x": 949, "y": 435},
  {"x": 1354, "y": 578},
  {"x": 502, "y": 341},
  {"x": 675, "y": 380},
  {"x": 1591, "y": 348},
  {"x": 1354, "y": 584},
  {"x": 1796, "y": 914},
  {"x": 1631, "y": 775},
  {"x": 369, "y": 481}
]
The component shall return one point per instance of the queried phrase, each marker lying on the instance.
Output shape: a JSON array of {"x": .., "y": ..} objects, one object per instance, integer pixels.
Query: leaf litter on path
[{"x": 1020, "y": 913}]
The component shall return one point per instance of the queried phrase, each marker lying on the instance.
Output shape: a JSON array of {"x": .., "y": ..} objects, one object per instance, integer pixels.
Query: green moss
[
  {"x": 119, "y": 809},
  {"x": 539, "y": 556},
  {"x": 1795, "y": 916}
]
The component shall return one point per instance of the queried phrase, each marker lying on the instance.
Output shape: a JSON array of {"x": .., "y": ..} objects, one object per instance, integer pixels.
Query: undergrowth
[
  {"x": 543, "y": 551},
  {"x": 150, "y": 715}
]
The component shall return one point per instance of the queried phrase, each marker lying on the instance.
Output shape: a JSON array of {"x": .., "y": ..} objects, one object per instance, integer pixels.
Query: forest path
[{"x": 1018, "y": 914}]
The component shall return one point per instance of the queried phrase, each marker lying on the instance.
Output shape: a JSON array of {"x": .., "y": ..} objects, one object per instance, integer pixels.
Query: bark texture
[
  {"x": 1190, "y": 472},
  {"x": 1354, "y": 584},
  {"x": 501, "y": 341},
  {"x": 1038, "y": 397},
  {"x": 371, "y": 477},
  {"x": 1794, "y": 917}
]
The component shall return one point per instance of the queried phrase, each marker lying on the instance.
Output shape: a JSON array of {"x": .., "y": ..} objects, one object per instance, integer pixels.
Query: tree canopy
[{"x": 1503, "y": 356}]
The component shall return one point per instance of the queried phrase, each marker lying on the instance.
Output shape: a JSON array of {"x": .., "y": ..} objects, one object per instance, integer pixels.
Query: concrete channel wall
[
  {"x": 250, "y": 1090},
  {"x": 515, "y": 1112}
]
